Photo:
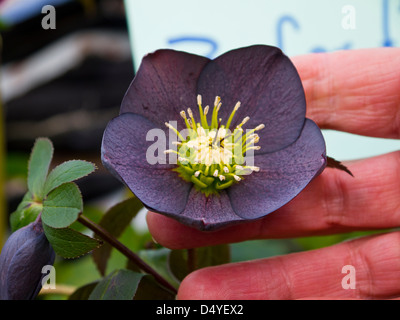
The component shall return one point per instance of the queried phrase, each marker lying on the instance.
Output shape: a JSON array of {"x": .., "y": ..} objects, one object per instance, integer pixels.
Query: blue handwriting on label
[{"x": 289, "y": 22}]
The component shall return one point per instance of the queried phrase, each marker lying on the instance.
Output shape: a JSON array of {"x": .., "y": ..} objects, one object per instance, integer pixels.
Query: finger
[
  {"x": 334, "y": 202},
  {"x": 355, "y": 91},
  {"x": 371, "y": 264}
]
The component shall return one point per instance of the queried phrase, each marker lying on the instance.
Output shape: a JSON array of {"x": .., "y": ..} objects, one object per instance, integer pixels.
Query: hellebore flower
[
  {"x": 22, "y": 258},
  {"x": 246, "y": 152}
]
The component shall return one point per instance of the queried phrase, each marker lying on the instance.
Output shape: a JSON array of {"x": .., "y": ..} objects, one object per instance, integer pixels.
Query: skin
[{"x": 354, "y": 91}]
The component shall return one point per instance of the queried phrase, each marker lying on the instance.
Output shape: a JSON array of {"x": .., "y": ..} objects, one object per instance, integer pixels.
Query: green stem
[{"x": 106, "y": 236}]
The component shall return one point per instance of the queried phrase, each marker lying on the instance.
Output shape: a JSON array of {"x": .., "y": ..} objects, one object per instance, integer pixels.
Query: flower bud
[{"x": 22, "y": 258}]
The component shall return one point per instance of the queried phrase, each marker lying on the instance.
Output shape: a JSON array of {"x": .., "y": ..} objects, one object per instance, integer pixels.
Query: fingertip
[
  {"x": 169, "y": 232},
  {"x": 174, "y": 235},
  {"x": 160, "y": 227},
  {"x": 199, "y": 285}
]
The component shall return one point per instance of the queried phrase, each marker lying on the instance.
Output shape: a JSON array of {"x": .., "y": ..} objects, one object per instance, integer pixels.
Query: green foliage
[
  {"x": 39, "y": 164},
  {"x": 180, "y": 264},
  {"x": 149, "y": 289},
  {"x": 263, "y": 248},
  {"x": 56, "y": 199},
  {"x": 119, "y": 285},
  {"x": 125, "y": 284},
  {"x": 67, "y": 172},
  {"x": 317, "y": 242},
  {"x": 69, "y": 243},
  {"x": 54, "y": 196},
  {"x": 158, "y": 259},
  {"x": 62, "y": 206},
  {"x": 26, "y": 212},
  {"x": 115, "y": 221},
  {"x": 83, "y": 292}
]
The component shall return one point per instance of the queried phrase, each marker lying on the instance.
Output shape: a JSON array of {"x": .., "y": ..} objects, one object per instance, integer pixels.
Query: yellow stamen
[{"x": 228, "y": 123}]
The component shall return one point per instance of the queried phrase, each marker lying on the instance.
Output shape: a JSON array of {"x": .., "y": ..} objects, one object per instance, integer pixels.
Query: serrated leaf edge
[
  {"x": 30, "y": 159},
  {"x": 98, "y": 241},
  {"x": 94, "y": 169}
]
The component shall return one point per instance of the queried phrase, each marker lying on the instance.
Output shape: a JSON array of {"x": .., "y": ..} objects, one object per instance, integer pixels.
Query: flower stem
[{"x": 106, "y": 236}]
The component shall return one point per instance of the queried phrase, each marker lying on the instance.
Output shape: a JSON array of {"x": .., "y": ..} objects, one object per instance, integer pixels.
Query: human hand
[{"x": 354, "y": 91}]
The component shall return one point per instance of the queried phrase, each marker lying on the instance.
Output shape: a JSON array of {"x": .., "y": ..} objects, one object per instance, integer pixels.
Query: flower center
[{"x": 210, "y": 155}]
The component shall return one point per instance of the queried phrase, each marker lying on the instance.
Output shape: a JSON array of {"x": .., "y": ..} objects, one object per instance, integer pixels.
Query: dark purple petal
[
  {"x": 124, "y": 150},
  {"x": 164, "y": 85},
  {"x": 22, "y": 258},
  {"x": 268, "y": 86},
  {"x": 282, "y": 176},
  {"x": 208, "y": 213}
]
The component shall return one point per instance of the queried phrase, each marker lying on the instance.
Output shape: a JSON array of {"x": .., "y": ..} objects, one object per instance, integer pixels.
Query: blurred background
[{"x": 66, "y": 64}]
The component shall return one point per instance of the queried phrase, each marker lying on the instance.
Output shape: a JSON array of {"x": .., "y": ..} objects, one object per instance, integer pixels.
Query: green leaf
[
  {"x": 115, "y": 220},
  {"x": 83, "y": 293},
  {"x": 158, "y": 259},
  {"x": 67, "y": 172},
  {"x": 178, "y": 264},
  {"x": 62, "y": 206},
  {"x": 212, "y": 256},
  {"x": 26, "y": 201},
  {"x": 39, "y": 163},
  {"x": 26, "y": 212},
  {"x": 149, "y": 289},
  {"x": 118, "y": 285},
  {"x": 203, "y": 257},
  {"x": 92, "y": 212},
  {"x": 317, "y": 242},
  {"x": 69, "y": 243},
  {"x": 25, "y": 216}
]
